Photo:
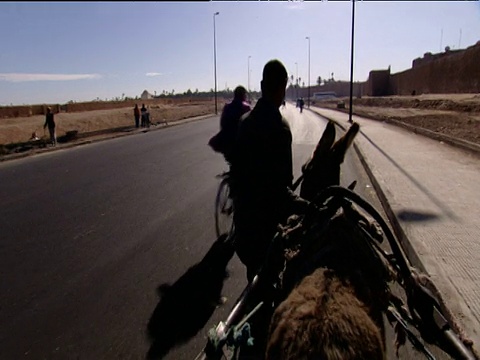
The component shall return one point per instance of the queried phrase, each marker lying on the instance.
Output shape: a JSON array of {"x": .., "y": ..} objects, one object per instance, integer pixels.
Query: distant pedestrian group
[{"x": 142, "y": 116}]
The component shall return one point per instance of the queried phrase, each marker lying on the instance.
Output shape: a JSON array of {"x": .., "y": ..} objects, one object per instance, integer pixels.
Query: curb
[
  {"x": 407, "y": 246},
  {"x": 460, "y": 143},
  {"x": 463, "y": 144},
  {"x": 16, "y": 156}
]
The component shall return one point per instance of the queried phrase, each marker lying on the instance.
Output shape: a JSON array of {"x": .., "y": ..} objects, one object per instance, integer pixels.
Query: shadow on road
[
  {"x": 186, "y": 306},
  {"x": 415, "y": 216},
  {"x": 414, "y": 181}
]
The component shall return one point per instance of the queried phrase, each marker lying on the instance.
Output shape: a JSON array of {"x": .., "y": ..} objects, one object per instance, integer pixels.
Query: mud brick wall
[{"x": 457, "y": 73}]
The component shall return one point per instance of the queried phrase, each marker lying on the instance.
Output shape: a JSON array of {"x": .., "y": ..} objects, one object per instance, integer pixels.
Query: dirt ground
[
  {"x": 456, "y": 115},
  {"x": 17, "y": 130}
]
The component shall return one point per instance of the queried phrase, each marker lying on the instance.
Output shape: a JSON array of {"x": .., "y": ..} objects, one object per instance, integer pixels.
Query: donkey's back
[{"x": 322, "y": 318}]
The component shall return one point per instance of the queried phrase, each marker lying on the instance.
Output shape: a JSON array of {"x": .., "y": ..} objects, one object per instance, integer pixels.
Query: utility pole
[
  {"x": 350, "y": 110},
  {"x": 308, "y": 38},
  {"x": 248, "y": 85},
  {"x": 215, "y": 61}
]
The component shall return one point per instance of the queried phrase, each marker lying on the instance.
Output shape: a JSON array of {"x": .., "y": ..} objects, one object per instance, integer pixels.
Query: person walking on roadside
[
  {"x": 146, "y": 114},
  {"x": 143, "y": 114},
  {"x": 136, "y": 114},
  {"x": 50, "y": 122}
]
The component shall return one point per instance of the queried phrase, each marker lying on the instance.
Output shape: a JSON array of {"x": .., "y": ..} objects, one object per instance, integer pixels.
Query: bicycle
[{"x": 224, "y": 207}]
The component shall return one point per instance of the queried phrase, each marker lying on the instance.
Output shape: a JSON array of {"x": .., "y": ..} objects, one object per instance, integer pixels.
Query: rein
[{"x": 317, "y": 251}]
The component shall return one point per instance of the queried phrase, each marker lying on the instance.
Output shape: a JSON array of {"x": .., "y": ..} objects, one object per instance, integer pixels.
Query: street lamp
[
  {"x": 215, "y": 61},
  {"x": 308, "y": 38},
  {"x": 296, "y": 78},
  {"x": 248, "y": 84},
  {"x": 350, "y": 110}
]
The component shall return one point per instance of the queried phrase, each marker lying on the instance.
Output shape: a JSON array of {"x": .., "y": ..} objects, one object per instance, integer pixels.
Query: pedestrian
[
  {"x": 146, "y": 117},
  {"x": 50, "y": 122},
  {"x": 136, "y": 114},
  {"x": 143, "y": 111}
]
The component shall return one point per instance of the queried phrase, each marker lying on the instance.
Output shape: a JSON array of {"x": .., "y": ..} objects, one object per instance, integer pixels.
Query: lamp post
[
  {"x": 215, "y": 61},
  {"x": 308, "y": 38},
  {"x": 350, "y": 110},
  {"x": 296, "y": 78},
  {"x": 248, "y": 84}
]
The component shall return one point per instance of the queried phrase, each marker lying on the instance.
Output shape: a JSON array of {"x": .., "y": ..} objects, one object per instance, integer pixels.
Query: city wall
[{"x": 445, "y": 73}]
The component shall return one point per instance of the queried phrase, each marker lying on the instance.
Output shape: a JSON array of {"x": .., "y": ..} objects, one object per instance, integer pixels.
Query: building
[{"x": 146, "y": 95}]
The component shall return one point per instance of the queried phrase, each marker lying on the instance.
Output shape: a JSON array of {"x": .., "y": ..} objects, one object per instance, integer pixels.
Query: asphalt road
[{"x": 89, "y": 233}]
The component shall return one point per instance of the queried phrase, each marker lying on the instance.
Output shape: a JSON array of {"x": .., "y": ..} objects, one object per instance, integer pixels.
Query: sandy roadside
[
  {"x": 14, "y": 130},
  {"x": 455, "y": 115}
]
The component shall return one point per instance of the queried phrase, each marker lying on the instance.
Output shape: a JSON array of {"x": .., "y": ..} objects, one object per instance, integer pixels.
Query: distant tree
[{"x": 319, "y": 81}]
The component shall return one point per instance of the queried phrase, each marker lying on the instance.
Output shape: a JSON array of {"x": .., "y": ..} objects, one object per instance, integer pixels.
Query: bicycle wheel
[{"x": 223, "y": 209}]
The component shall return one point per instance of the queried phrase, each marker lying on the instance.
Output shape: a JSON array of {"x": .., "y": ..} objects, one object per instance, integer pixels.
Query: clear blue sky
[{"x": 56, "y": 52}]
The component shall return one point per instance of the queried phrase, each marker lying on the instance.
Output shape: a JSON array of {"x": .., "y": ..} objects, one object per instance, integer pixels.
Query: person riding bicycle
[
  {"x": 232, "y": 112},
  {"x": 261, "y": 172}
]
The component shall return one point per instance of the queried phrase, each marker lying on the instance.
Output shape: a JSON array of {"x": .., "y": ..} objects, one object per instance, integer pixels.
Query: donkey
[{"x": 335, "y": 308}]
